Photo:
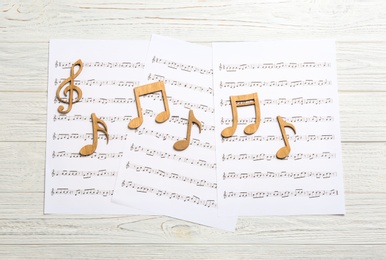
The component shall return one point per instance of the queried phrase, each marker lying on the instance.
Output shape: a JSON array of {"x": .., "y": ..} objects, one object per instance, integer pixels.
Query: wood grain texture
[{"x": 25, "y": 29}]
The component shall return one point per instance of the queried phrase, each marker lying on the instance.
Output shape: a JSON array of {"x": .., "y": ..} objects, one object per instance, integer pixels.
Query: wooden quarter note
[
  {"x": 183, "y": 144},
  {"x": 286, "y": 149},
  {"x": 240, "y": 101},
  {"x": 148, "y": 89},
  {"x": 90, "y": 148}
]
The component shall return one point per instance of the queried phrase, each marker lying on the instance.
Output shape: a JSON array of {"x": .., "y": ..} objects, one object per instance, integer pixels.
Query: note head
[
  {"x": 181, "y": 145},
  {"x": 251, "y": 129},
  {"x": 87, "y": 150},
  {"x": 162, "y": 117},
  {"x": 228, "y": 132},
  {"x": 135, "y": 123},
  {"x": 282, "y": 153}
]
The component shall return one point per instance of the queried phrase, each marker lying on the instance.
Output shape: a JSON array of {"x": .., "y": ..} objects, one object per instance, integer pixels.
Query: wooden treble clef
[{"x": 71, "y": 88}]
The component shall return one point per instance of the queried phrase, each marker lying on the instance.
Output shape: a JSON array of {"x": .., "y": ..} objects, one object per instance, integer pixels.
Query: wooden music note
[
  {"x": 240, "y": 101},
  {"x": 183, "y": 144},
  {"x": 285, "y": 150},
  {"x": 71, "y": 88},
  {"x": 148, "y": 89},
  {"x": 90, "y": 148}
]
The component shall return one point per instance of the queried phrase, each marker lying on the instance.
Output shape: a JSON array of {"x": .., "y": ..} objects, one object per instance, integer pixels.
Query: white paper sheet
[
  {"x": 84, "y": 184},
  {"x": 154, "y": 176},
  {"x": 297, "y": 81}
]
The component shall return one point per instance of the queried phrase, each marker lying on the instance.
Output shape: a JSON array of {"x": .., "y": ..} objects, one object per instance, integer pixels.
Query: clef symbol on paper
[{"x": 70, "y": 89}]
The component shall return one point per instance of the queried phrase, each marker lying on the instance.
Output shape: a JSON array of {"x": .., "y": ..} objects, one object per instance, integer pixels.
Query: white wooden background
[{"x": 359, "y": 28}]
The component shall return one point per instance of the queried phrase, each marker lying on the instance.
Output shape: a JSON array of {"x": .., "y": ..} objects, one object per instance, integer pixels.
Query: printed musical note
[
  {"x": 172, "y": 156},
  {"x": 183, "y": 144},
  {"x": 281, "y": 194},
  {"x": 285, "y": 150},
  {"x": 148, "y": 89},
  {"x": 90, "y": 148},
  {"x": 71, "y": 88},
  {"x": 171, "y": 195},
  {"x": 240, "y": 101}
]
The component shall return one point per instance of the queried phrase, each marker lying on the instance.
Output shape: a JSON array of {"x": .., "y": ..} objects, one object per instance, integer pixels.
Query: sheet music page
[
  {"x": 295, "y": 80},
  {"x": 77, "y": 184},
  {"x": 156, "y": 177}
]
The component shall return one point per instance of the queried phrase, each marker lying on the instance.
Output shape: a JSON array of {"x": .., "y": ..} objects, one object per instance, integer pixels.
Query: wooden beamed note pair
[
  {"x": 99, "y": 125},
  {"x": 253, "y": 99}
]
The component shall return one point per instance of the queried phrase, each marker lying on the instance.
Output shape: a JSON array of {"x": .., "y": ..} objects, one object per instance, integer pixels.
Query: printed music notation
[
  {"x": 180, "y": 84},
  {"x": 294, "y": 138},
  {"x": 95, "y": 64},
  {"x": 80, "y": 192},
  {"x": 113, "y": 119},
  {"x": 281, "y": 194},
  {"x": 84, "y": 174},
  {"x": 151, "y": 152},
  {"x": 99, "y": 156},
  {"x": 93, "y": 82},
  {"x": 184, "y": 67},
  {"x": 171, "y": 195},
  {"x": 194, "y": 141},
  {"x": 293, "y": 119},
  {"x": 110, "y": 119},
  {"x": 288, "y": 101},
  {"x": 269, "y": 157},
  {"x": 155, "y": 96},
  {"x": 279, "y": 83},
  {"x": 282, "y": 174},
  {"x": 278, "y": 65},
  {"x": 88, "y": 136},
  {"x": 171, "y": 175}
]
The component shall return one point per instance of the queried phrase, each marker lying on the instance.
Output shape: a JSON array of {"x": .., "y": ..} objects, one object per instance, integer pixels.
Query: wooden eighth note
[
  {"x": 240, "y": 101},
  {"x": 90, "y": 148},
  {"x": 285, "y": 150},
  {"x": 71, "y": 88},
  {"x": 148, "y": 89},
  {"x": 183, "y": 144}
]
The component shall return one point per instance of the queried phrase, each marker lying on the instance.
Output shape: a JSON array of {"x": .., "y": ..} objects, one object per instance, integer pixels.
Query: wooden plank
[
  {"x": 193, "y": 20},
  {"x": 22, "y": 223},
  {"x": 361, "y": 116},
  {"x": 22, "y": 167},
  {"x": 186, "y": 251},
  {"x": 361, "y": 65}
]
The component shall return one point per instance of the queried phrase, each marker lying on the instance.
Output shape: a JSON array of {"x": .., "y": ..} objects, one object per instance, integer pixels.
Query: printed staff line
[
  {"x": 287, "y": 101},
  {"x": 155, "y": 96},
  {"x": 183, "y": 67},
  {"x": 163, "y": 136},
  {"x": 99, "y": 156},
  {"x": 269, "y": 157},
  {"x": 94, "y": 82},
  {"x": 171, "y": 195},
  {"x": 165, "y": 155},
  {"x": 294, "y": 138},
  {"x": 111, "y": 65},
  {"x": 293, "y": 119},
  {"x": 281, "y": 194},
  {"x": 81, "y": 192},
  {"x": 282, "y": 174},
  {"x": 84, "y": 174},
  {"x": 180, "y": 84},
  {"x": 170, "y": 175},
  {"x": 113, "y": 119},
  {"x": 88, "y": 136},
  {"x": 277, "y": 65},
  {"x": 280, "y": 83}
]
